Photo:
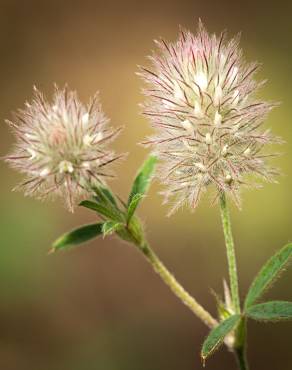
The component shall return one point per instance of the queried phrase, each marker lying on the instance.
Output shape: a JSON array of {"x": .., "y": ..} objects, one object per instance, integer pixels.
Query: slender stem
[
  {"x": 241, "y": 358},
  {"x": 226, "y": 222},
  {"x": 240, "y": 346},
  {"x": 240, "y": 335},
  {"x": 176, "y": 288}
]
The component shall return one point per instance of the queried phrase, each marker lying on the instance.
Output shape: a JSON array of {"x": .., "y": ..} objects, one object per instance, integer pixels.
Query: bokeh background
[{"x": 101, "y": 307}]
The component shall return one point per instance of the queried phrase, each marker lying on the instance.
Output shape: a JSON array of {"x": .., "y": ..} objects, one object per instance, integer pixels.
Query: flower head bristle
[
  {"x": 62, "y": 146},
  {"x": 201, "y": 101}
]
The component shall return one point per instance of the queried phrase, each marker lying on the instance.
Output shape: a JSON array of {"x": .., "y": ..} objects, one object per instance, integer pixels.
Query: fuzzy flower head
[
  {"x": 201, "y": 101},
  {"x": 61, "y": 146}
]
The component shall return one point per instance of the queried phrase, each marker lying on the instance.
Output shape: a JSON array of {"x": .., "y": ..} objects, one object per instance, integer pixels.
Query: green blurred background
[{"x": 101, "y": 307}]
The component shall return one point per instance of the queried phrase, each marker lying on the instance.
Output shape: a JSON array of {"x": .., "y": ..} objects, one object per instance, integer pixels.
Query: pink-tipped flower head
[
  {"x": 201, "y": 101},
  {"x": 62, "y": 146}
]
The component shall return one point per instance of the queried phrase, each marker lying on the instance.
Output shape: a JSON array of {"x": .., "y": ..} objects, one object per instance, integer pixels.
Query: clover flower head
[
  {"x": 201, "y": 101},
  {"x": 61, "y": 146}
]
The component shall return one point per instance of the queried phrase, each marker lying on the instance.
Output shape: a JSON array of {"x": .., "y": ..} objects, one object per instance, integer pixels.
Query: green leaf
[
  {"x": 106, "y": 195},
  {"x": 133, "y": 205},
  {"x": 143, "y": 178},
  {"x": 77, "y": 236},
  {"x": 217, "y": 335},
  {"x": 109, "y": 227},
  {"x": 102, "y": 210},
  {"x": 270, "y": 311},
  {"x": 268, "y": 274}
]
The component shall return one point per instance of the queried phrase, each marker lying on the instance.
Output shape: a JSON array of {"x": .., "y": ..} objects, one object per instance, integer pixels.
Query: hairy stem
[
  {"x": 226, "y": 222},
  {"x": 240, "y": 334},
  {"x": 240, "y": 345},
  {"x": 176, "y": 288}
]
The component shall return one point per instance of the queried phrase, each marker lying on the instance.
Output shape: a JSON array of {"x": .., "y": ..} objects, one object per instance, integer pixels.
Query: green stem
[
  {"x": 226, "y": 222},
  {"x": 241, "y": 359},
  {"x": 240, "y": 334},
  {"x": 176, "y": 288},
  {"x": 240, "y": 345}
]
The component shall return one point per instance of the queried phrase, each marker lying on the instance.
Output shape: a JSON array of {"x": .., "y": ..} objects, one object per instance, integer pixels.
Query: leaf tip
[
  {"x": 58, "y": 243},
  {"x": 203, "y": 359},
  {"x": 51, "y": 250}
]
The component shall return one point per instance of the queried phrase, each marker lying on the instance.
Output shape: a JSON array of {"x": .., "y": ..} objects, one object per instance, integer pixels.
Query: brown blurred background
[{"x": 100, "y": 307}]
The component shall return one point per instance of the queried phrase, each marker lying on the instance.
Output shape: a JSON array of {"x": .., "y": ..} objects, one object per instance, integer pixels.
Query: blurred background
[{"x": 101, "y": 307}]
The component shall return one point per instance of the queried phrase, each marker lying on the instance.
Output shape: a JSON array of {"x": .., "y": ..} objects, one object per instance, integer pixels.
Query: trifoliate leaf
[
  {"x": 268, "y": 274},
  {"x": 217, "y": 335},
  {"x": 77, "y": 236},
  {"x": 270, "y": 311}
]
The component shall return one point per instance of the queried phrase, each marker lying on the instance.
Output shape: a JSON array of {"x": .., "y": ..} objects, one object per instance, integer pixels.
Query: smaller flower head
[
  {"x": 62, "y": 146},
  {"x": 208, "y": 121}
]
